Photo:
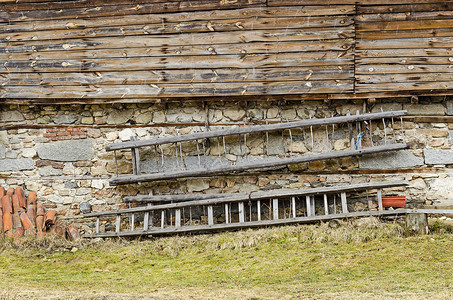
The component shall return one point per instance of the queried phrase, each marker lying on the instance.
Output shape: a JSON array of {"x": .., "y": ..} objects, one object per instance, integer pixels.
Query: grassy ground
[{"x": 359, "y": 259}]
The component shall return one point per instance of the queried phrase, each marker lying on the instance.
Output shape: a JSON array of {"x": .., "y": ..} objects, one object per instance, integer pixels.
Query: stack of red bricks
[
  {"x": 23, "y": 215},
  {"x": 66, "y": 133}
]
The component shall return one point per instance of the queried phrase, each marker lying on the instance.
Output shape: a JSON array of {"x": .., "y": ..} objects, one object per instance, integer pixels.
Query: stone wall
[{"x": 59, "y": 151}]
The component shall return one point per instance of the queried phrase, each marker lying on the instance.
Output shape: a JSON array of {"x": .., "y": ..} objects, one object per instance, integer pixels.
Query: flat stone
[
  {"x": 425, "y": 109},
  {"x": 97, "y": 184},
  {"x": 16, "y": 164},
  {"x": 387, "y": 107},
  {"x": 272, "y": 113},
  {"x": 119, "y": 116},
  {"x": 159, "y": 117},
  {"x": 144, "y": 118},
  {"x": 70, "y": 184},
  {"x": 49, "y": 171},
  {"x": 440, "y": 191},
  {"x": 438, "y": 157},
  {"x": 2, "y": 151},
  {"x": 11, "y": 154},
  {"x": 125, "y": 134},
  {"x": 390, "y": 160},
  {"x": 235, "y": 114},
  {"x": 11, "y": 116},
  {"x": 93, "y": 132},
  {"x": 197, "y": 185},
  {"x": 65, "y": 119},
  {"x": 67, "y": 150},
  {"x": 28, "y": 152}
]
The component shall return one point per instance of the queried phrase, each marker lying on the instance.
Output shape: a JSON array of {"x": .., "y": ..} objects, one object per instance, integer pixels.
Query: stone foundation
[{"x": 59, "y": 151}]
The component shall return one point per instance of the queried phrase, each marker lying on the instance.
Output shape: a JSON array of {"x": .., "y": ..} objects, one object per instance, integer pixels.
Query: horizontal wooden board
[
  {"x": 434, "y": 42},
  {"x": 405, "y": 25},
  {"x": 404, "y": 34},
  {"x": 409, "y": 60},
  {"x": 123, "y": 9},
  {"x": 176, "y": 90},
  {"x": 407, "y": 86},
  {"x": 421, "y": 6},
  {"x": 190, "y": 50},
  {"x": 405, "y": 52},
  {"x": 263, "y": 36},
  {"x": 179, "y": 76},
  {"x": 181, "y": 62},
  {"x": 200, "y": 16},
  {"x": 358, "y": 2},
  {"x": 411, "y": 77},
  {"x": 403, "y": 69},
  {"x": 160, "y": 28},
  {"x": 431, "y": 14}
]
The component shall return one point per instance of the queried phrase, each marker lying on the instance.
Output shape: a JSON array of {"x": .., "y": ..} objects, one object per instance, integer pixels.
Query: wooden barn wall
[{"x": 137, "y": 51}]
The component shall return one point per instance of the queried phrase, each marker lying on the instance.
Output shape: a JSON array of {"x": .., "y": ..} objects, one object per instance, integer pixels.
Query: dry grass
[{"x": 363, "y": 258}]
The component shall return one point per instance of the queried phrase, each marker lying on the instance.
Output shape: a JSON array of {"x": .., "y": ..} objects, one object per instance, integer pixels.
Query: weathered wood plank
[
  {"x": 407, "y": 7},
  {"x": 232, "y": 198},
  {"x": 248, "y": 61},
  {"x": 405, "y": 52},
  {"x": 404, "y": 25},
  {"x": 176, "y": 90},
  {"x": 190, "y": 50},
  {"x": 409, "y": 86},
  {"x": 358, "y": 2},
  {"x": 250, "y": 166},
  {"x": 402, "y": 69},
  {"x": 263, "y": 223},
  {"x": 201, "y": 16},
  {"x": 174, "y": 198},
  {"x": 432, "y": 14},
  {"x": 255, "y": 129},
  {"x": 262, "y": 36},
  {"x": 179, "y": 76},
  {"x": 404, "y": 34},
  {"x": 240, "y": 24},
  {"x": 405, "y": 61},
  {"x": 410, "y": 77},
  {"x": 123, "y": 10},
  {"x": 434, "y": 42}
]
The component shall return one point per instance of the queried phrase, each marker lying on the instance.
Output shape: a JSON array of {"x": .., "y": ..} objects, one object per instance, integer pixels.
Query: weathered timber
[
  {"x": 407, "y": 61},
  {"x": 404, "y": 25},
  {"x": 404, "y": 52},
  {"x": 404, "y": 34},
  {"x": 180, "y": 76},
  {"x": 173, "y": 198},
  {"x": 402, "y": 69},
  {"x": 255, "y": 165},
  {"x": 254, "y": 129},
  {"x": 409, "y": 86},
  {"x": 176, "y": 90},
  {"x": 163, "y": 51},
  {"x": 252, "y": 224},
  {"x": 405, "y": 7},
  {"x": 269, "y": 35},
  {"x": 247, "y": 61},
  {"x": 433, "y": 13},
  {"x": 232, "y": 198},
  {"x": 433, "y": 42},
  {"x": 200, "y": 16},
  {"x": 398, "y": 78},
  {"x": 239, "y": 24},
  {"x": 123, "y": 10},
  {"x": 417, "y": 223}
]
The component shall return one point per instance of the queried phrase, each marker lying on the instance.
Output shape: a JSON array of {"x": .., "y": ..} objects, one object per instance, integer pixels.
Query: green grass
[{"x": 361, "y": 258}]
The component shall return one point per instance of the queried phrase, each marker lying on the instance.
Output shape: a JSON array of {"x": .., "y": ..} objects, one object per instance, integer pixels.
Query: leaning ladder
[{"x": 263, "y": 208}]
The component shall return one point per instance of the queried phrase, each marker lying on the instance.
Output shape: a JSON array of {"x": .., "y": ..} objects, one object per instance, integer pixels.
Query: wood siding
[{"x": 133, "y": 50}]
